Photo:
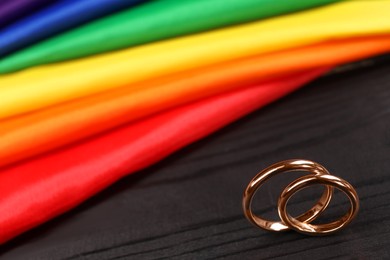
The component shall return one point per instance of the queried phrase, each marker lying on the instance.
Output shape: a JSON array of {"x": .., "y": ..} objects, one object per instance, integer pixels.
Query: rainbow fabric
[{"x": 85, "y": 102}]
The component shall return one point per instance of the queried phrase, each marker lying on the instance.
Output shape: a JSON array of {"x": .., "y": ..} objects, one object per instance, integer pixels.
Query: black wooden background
[{"x": 189, "y": 205}]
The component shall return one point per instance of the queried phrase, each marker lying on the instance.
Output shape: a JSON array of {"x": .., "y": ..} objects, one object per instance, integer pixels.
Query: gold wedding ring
[{"x": 317, "y": 175}]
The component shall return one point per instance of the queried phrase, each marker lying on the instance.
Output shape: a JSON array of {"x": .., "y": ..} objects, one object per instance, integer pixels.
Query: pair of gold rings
[{"x": 317, "y": 175}]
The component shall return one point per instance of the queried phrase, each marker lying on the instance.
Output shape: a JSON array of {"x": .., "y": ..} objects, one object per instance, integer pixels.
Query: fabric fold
[
  {"x": 56, "y": 18},
  {"x": 49, "y": 185},
  {"x": 48, "y": 85},
  {"x": 156, "y": 20},
  {"x": 12, "y": 10},
  {"x": 31, "y": 134}
]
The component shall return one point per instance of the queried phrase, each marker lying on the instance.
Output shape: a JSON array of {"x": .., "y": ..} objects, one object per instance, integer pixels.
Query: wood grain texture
[{"x": 189, "y": 205}]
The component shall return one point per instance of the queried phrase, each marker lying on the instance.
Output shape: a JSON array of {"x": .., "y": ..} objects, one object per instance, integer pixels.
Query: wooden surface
[{"x": 189, "y": 205}]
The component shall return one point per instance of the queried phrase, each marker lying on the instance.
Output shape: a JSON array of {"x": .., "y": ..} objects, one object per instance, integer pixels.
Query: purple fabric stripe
[{"x": 12, "y": 10}]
